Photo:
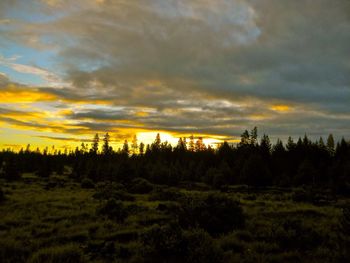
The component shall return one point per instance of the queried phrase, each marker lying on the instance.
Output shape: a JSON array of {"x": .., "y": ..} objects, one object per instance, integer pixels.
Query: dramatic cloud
[{"x": 199, "y": 66}]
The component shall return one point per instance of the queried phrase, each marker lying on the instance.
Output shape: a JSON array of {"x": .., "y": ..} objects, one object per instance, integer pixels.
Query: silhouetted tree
[
  {"x": 134, "y": 145},
  {"x": 245, "y": 138},
  {"x": 254, "y": 136},
  {"x": 142, "y": 148},
  {"x": 199, "y": 146},
  {"x": 290, "y": 144},
  {"x": 106, "y": 149},
  {"x": 125, "y": 149},
  {"x": 330, "y": 144},
  {"x": 11, "y": 170},
  {"x": 94, "y": 145},
  {"x": 265, "y": 145},
  {"x": 191, "y": 144}
]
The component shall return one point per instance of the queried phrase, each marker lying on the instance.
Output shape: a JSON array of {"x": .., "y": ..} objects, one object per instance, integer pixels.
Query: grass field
[{"x": 58, "y": 220}]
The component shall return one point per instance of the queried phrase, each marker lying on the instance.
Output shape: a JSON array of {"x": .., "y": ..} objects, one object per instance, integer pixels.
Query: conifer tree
[
  {"x": 106, "y": 149},
  {"x": 125, "y": 149},
  {"x": 330, "y": 144},
  {"x": 191, "y": 144},
  {"x": 134, "y": 145},
  {"x": 94, "y": 145}
]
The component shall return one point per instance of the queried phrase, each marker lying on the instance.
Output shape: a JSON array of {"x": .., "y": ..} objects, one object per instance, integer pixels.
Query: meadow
[{"x": 60, "y": 219}]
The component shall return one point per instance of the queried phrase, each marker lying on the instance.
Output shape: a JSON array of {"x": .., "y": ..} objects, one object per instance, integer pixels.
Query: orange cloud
[
  {"x": 281, "y": 108},
  {"x": 15, "y": 94}
]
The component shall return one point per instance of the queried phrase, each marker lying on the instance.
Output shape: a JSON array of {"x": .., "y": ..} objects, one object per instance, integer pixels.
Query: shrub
[
  {"x": 201, "y": 247},
  {"x": 344, "y": 235},
  {"x": 112, "y": 191},
  {"x": 292, "y": 234},
  {"x": 60, "y": 254},
  {"x": 11, "y": 171},
  {"x": 232, "y": 243},
  {"x": 140, "y": 186},
  {"x": 87, "y": 183},
  {"x": 169, "y": 207},
  {"x": 113, "y": 210},
  {"x": 215, "y": 213},
  {"x": 2, "y": 195},
  {"x": 12, "y": 251},
  {"x": 162, "y": 244},
  {"x": 55, "y": 181},
  {"x": 311, "y": 196},
  {"x": 169, "y": 243},
  {"x": 160, "y": 194}
]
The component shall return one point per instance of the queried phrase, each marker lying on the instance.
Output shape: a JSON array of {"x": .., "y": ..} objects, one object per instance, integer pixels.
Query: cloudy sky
[{"x": 69, "y": 69}]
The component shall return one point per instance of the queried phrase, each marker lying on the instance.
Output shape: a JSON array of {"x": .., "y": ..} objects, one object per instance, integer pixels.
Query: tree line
[{"x": 253, "y": 162}]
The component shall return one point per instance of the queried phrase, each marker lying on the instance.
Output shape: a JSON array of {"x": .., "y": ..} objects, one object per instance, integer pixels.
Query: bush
[
  {"x": 163, "y": 244},
  {"x": 201, "y": 247},
  {"x": 344, "y": 234},
  {"x": 12, "y": 252},
  {"x": 160, "y": 194},
  {"x": 11, "y": 171},
  {"x": 140, "y": 186},
  {"x": 169, "y": 207},
  {"x": 293, "y": 235},
  {"x": 215, "y": 213},
  {"x": 61, "y": 254},
  {"x": 112, "y": 191},
  {"x": 2, "y": 195},
  {"x": 113, "y": 210},
  {"x": 169, "y": 243},
  {"x": 87, "y": 183},
  {"x": 232, "y": 243},
  {"x": 311, "y": 196}
]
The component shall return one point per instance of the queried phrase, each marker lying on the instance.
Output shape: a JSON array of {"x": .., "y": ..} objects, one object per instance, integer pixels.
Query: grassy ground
[{"x": 56, "y": 220}]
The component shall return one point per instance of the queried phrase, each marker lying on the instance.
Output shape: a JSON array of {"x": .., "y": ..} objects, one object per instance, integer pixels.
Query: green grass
[{"x": 60, "y": 224}]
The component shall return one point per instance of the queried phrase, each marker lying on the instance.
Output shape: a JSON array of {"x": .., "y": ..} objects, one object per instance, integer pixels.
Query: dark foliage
[
  {"x": 250, "y": 162},
  {"x": 87, "y": 183},
  {"x": 140, "y": 186},
  {"x": 114, "y": 210},
  {"x": 111, "y": 190},
  {"x": 215, "y": 213},
  {"x": 2, "y": 195},
  {"x": 293, "y": 235},
  {"x": 163, "y": 244},
  {"x": 11, "y": 170},
  {"x": 167, "y": 194},
  {"x": 201, "y": 247}
]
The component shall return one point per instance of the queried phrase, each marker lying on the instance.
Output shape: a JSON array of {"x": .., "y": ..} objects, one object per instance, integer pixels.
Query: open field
[{"x": 60, "y": 220}]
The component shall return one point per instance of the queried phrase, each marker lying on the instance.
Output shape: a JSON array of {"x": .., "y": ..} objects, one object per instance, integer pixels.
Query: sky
[{"x": 70, "y": 69}]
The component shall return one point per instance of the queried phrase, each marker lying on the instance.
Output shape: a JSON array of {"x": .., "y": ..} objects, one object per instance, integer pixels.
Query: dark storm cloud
[{"x": 169, "y": 56}]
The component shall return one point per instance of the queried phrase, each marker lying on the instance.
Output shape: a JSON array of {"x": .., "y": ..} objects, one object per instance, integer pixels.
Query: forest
[{"x": 253, "y": 201}]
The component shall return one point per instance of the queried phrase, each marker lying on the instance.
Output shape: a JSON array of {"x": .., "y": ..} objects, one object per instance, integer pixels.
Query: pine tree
[
  {"x": 94, "y": 145},
  {"x": 142, "y": 148},
  {"x": 278, "y": 148},
  {"x": 321, "y": 143},
  {"x": 265, "y": 145},
  {"x": 156, "y": 145},
  {"x": 106, "y": 149},
  {"x": 125, "y": 149},
  {"x": 83, "y": 148},
  {"x": 330, "y": 144},
  {"x": 191, "y": 144},
  {"x": 254, "y": 136},
  {"x": 199, "y": 146},
  {"x": 134, "y": 145},
  {"x": 245, "y": 138},
  {"x": 290, "y": 144}
]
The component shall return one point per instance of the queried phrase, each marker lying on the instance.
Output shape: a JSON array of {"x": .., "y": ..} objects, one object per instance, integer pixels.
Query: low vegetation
[{"x": 67, "y": 223}]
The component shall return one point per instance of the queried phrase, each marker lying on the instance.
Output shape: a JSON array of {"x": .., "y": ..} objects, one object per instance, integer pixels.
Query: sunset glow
[{"x": 211, "y": 69}]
